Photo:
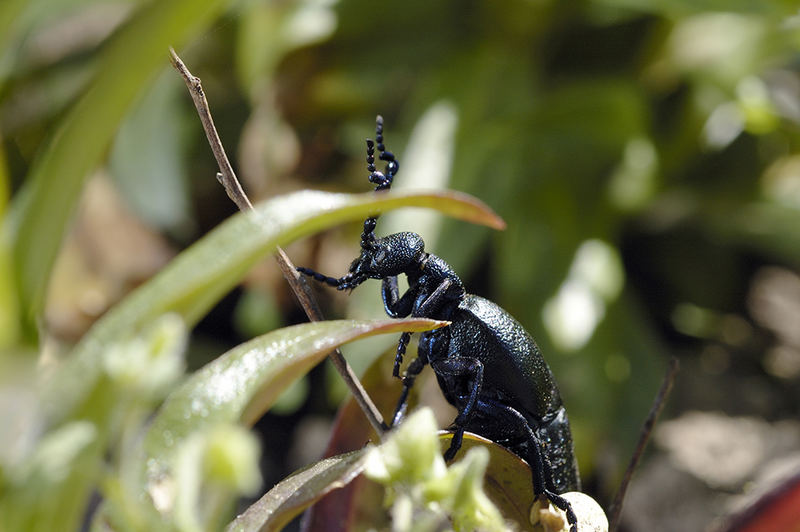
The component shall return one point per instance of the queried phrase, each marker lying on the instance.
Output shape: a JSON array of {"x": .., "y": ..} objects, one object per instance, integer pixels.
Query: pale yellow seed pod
[{"x": 547, "y": 518}]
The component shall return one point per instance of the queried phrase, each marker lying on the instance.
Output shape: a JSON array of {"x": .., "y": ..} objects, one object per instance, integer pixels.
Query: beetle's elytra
[{"x": 486, "y": 363}]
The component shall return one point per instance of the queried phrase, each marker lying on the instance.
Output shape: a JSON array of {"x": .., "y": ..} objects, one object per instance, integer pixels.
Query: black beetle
[{"x": 487, "y": 365}]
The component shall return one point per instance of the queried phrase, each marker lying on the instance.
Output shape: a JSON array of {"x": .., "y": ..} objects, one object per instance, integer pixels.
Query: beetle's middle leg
[
  {"x": 414, "y": 369},
  {"x": 413, "y": 303}
]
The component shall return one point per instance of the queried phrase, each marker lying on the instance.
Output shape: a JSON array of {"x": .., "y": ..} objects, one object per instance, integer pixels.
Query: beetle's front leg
[
  {"x": 416, "y": 302},
  {"x": 401, "y": 351},
  {"x": 348, "y": 282},
  {"x": 398, "y": 307},
  {"x": 426, "y": 305}
]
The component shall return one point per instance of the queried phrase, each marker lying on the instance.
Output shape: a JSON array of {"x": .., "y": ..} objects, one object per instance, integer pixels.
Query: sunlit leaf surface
[
  {"x": 57, "y": 178},
  {"x": 297, "y": 491},
  {"x": 199, "y": 276},
  {"x": 244, "y": 382}
]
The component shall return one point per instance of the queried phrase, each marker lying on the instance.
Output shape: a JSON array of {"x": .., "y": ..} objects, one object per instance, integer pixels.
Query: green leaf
[
  {"x": 9, "y": 312},
  {"x": 508, "y": 481},
  {"x": 154, "y": 127},
  {"x": 195, "y": 280},
  {"x": 243, "y": 383},
  {"x": 47, "y": 489},
  {"x": 128, "y": 64},
  {"x": 10, "y": 11},
  {"x": 298, "y": 491}
]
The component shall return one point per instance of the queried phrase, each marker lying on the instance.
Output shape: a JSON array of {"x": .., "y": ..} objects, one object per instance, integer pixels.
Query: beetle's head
[{"x": 388, "y": 256}]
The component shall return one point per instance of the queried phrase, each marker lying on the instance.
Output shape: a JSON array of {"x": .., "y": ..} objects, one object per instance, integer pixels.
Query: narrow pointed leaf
[
  {"x": 197, "y": 278},
  {"x": 244, "y": 382},
  {"x": 10, "y": 12},
  {"x": 508, "y": 481},
  {"x": 298, "y": 491},
  {"x": 130, "y": 60}
]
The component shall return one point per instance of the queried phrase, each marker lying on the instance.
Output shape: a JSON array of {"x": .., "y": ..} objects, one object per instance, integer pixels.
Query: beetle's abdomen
[
  {"x": 514, "y": 370},
  {"x": 557, "y": 443},
  {"x": 516, "y": 374}
]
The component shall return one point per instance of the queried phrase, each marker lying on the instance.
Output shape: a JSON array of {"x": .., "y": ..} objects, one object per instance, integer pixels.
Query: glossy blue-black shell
[{"x": 515, "y": 374}]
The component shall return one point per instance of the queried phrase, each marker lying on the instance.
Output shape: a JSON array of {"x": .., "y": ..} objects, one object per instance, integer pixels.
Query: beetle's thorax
[
  {"x": 432, "y": 273},
  {"x": 417, "y": 268},
  {"x": 435, "y": 270}
]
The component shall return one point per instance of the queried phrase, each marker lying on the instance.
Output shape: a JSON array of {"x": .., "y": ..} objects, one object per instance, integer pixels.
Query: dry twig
[
  {"x": 644, "y": 436},
  {"x": 228, "y": 179}
]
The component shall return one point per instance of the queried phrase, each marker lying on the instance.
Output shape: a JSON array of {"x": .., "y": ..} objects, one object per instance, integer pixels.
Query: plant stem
[
  {"x": 227, "y": 178},
  {"x": 644, "y": 436}
]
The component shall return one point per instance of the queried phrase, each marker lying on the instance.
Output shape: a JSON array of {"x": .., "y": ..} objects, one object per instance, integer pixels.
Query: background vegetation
[{"x": 643, "y": 154}]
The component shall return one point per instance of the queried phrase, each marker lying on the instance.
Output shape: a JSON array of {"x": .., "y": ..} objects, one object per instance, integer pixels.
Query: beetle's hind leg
[
  {"x": 500, "y": 422},
  {"x": 563, "y": 504}
]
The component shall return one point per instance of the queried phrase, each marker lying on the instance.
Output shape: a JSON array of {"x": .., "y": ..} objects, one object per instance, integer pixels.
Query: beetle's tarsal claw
[{"x": 563, "y": 504}]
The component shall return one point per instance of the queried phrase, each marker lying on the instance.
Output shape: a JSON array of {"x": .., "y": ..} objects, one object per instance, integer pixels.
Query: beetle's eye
[{"x": 380, "y": 256}]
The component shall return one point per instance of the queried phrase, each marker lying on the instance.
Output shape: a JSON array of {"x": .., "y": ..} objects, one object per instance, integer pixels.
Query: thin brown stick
[
  {"x": 228, "y": 179},
  {"x": 644, "y": 436}
]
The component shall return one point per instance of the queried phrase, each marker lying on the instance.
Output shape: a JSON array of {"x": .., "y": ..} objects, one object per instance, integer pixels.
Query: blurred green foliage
[{"x": 643, "y": 154}]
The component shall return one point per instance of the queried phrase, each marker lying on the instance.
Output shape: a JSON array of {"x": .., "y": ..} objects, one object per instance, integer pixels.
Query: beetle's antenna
[
  {"x": 382, "y": 180},
  {"x": 392, "y": 166}
]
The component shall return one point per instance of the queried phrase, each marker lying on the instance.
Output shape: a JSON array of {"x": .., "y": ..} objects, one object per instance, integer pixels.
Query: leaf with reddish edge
[
  {"x": 362, "y": 498},
  {"x": 298, "y": 491},
  {"x": 507, "y": 483},
  {"x": 774, "y": 505},
  {"x": 244, "y": 382},
  {"x": 197, "y": 278}
]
